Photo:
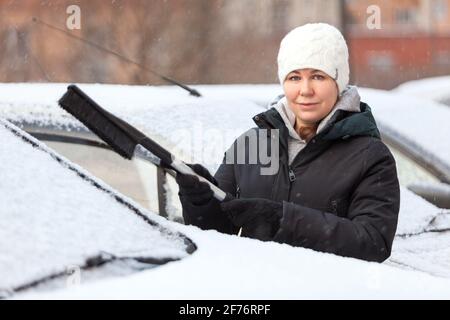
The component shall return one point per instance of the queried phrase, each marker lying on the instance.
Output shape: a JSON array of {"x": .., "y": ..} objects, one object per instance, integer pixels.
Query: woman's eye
[
  {"x": 318, "y": 77},
  {"x": 294, "y": 78}
]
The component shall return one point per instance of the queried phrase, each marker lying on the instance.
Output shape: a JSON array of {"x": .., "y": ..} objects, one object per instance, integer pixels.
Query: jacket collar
[
  {"x": 349, "y": 100},
  {"x": 350, "y": 117}
]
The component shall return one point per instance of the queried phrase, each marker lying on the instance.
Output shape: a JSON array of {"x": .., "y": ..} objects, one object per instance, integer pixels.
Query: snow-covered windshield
[{"x": 55, "y": 215}]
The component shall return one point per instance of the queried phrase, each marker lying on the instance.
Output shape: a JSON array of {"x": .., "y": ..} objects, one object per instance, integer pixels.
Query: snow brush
[{"x": 121, "y": 136}]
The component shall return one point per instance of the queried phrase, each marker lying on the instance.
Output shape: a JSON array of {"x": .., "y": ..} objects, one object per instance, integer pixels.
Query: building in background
[
  {"x": 413, "y": 41},
  {"x": 196, "y": 41},
  {"x": 216, "y": 41}
]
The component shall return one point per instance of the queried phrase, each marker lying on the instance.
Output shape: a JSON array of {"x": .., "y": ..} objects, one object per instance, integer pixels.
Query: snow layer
[
  {"x": 50, "y": 218},
  {"x": 187, "y": 125},
  {"x": 229, "y": 267},
  {"x": 422, "y": 121},
  {"x": 416, "y": 214},
  {"x": 436, "y": 89},
  {"x": 428, "y": 252}
]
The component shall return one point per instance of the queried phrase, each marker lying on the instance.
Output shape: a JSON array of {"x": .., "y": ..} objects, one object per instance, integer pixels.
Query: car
[
  {"x": 209, "y": 264},
  {"x": 433, "y": 88},
  {"x": 57, "y": 219}
]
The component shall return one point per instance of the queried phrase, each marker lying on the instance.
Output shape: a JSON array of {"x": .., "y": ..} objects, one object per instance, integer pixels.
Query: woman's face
[{"x": 311, "y": 94}]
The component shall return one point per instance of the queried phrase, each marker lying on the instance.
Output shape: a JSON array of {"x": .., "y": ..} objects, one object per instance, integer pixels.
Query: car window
[
  {"x": 408, "y": 171},
  {"x": 134, "y": 178}
]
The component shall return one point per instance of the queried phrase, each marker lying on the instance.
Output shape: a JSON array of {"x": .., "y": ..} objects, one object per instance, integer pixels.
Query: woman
[{"x": 336, "y": 189}]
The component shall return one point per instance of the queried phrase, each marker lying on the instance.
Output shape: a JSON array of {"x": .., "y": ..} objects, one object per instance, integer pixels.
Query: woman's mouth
[{"x": 308, "y": 105}]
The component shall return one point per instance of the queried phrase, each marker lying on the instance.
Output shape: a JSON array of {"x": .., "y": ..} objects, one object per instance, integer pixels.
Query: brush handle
[
  {"x": 182, "y": 168},
  {"x": 179, "y": 166},
  {"x": 120, "y": 135}
]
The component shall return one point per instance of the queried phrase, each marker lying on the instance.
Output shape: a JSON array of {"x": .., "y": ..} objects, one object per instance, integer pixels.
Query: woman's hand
[
  {"x": 192, "y": 189},
  {"x": 259, "y": 218}
]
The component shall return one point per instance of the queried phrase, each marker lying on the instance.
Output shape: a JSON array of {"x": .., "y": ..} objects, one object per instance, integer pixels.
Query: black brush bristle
[{"x": 99, "y": 121}]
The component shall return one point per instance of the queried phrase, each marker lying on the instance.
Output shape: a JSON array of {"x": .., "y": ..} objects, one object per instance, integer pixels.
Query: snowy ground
[{"x": 231, "y": 267}]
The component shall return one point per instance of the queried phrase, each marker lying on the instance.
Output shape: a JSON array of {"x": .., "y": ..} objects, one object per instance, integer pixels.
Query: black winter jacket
[{"x": 340, "y": 194}]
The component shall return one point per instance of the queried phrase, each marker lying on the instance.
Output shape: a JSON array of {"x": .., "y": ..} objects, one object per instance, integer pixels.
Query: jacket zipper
[
  {"x": 291, "y": 180},
  {"x": 238, "y": 195},
  {"x": 291, "y": 175}
]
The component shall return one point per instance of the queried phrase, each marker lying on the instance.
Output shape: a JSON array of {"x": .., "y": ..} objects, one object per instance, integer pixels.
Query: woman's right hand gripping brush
[{"x": 259, "y": 218}]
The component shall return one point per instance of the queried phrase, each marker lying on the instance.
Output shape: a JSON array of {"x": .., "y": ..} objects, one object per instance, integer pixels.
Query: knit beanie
[{"x": 318, "y": 46}]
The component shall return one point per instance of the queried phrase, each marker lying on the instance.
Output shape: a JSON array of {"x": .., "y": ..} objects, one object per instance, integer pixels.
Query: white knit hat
[{"x": 318, "y": 46}]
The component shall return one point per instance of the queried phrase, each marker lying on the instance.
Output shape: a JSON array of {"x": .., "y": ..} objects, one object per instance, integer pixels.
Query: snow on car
[
  {"x": 55, "y": 216},
  {"x": 224, "y": 266},
  {"x": 422, "y": 121},
  {"x": 434, "y": 88}
]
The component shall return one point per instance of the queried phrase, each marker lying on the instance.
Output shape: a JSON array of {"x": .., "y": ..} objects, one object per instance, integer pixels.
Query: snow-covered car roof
[
  {"x": 165, "y": 112},
  {"x": 422, "y": 121},
  {"x": 226, "y": 266},
  {"x": 434, "y": 88},
  {"x": 55, "y": 215}
]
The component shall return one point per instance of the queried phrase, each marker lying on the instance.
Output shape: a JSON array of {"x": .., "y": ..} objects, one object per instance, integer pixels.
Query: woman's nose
[{"x": 306, "y": 89}]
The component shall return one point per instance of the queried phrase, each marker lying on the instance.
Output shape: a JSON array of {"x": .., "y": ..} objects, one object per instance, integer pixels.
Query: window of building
[
  {"x": 381, "y": 60},
  {"x": 405, "y": 16},
  {"x": 441, "y": 58},
  {"x": 440, "y": 9}
]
